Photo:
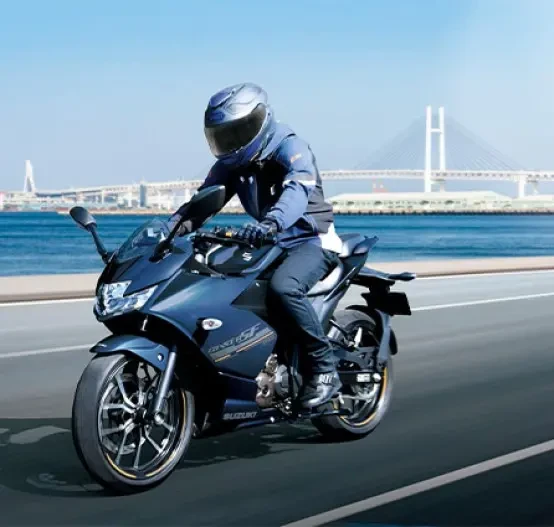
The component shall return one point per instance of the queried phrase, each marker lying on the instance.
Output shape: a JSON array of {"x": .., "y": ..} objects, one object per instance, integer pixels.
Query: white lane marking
[
  {"x": 480, "y": 302},
  {"x": 44, "y": 351},
  {"x": 46, "y": 302},
  {"x": 414, "y": 309},
  {"x": 17, "y": 329},
  {"x": 482, "y": 275},
  {"x": 422, "y": 486}
]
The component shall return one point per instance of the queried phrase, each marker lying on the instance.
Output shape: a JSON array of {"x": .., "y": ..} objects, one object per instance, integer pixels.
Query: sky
[{"x": 110, "y": 92}]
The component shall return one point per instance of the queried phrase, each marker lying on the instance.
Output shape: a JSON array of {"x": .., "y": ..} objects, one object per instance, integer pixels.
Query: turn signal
[{"x": 209, "y": 324}]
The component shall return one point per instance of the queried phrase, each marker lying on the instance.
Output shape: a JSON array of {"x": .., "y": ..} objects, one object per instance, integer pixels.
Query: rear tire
[
  {"x": 342, "y": 428},
  {"x": 96, "y": 447}
]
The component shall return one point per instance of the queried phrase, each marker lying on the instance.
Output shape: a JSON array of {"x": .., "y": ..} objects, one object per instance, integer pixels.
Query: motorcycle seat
[
  {"x": 355, "y": 244},
  {"x": 352, "y": 244},
  {"x": 349, "y": 242}
]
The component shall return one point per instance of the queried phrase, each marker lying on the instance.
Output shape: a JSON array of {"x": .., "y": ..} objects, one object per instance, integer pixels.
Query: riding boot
[{"x": 322, "y": 382}]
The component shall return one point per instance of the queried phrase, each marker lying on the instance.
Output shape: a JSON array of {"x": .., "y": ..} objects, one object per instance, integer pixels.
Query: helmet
[{"x": 237, "y": 123}]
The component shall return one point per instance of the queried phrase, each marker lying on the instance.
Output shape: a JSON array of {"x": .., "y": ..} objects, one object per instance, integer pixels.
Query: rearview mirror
[
  {"x": 206, "y": 202},
  {"x": 82, "y": 217}
]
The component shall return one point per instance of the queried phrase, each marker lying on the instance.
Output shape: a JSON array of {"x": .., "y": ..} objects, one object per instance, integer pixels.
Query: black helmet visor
[{"x": 229, "y": 137}]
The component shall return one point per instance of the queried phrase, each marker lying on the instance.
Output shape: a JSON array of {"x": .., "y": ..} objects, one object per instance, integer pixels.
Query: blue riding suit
[{"x": 283, "y": 185}]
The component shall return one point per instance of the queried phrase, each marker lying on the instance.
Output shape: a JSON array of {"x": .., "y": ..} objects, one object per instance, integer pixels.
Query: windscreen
[{"x": 143, "y": 240}]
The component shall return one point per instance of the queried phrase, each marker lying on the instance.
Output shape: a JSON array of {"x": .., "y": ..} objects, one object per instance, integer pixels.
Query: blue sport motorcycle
[{"x": 192, "y": 352}]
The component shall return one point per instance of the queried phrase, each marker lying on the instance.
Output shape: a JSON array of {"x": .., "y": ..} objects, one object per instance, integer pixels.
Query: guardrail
[{"x": 71, "y": 286}]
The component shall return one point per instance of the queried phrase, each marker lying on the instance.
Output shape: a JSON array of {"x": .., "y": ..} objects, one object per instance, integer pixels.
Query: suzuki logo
[{"x": 239, "y": 415}]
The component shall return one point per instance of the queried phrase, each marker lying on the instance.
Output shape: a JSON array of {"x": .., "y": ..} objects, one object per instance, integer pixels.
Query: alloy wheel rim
[
  {"x": 134, "y": 447},
  {"x": 363, "y": 409}
]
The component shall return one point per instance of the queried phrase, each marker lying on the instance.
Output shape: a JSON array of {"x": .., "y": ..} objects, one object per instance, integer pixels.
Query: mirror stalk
[
  {"x": 105, "y": 255},
  {"x": 165, "y": 245},
  {"x": 205, "y": 203}
]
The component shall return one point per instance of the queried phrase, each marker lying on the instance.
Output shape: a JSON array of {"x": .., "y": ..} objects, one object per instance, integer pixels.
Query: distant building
[
  {"x": 406, "y": 201},
  {"x": 534, "y": 202}
]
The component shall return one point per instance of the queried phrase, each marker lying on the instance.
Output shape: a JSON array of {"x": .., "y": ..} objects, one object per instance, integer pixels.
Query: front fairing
[
  {"x": 137, "y": 274},
  {"x": 169, "y": 283},
  {"x": 142, "y": 272},
  {"x": 186, "y": 293}
]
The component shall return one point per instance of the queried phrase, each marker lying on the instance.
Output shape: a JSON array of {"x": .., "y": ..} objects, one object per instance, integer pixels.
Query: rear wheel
[
  {"x": 118, "y": 447},
  {"x": 369, "y": 402}
]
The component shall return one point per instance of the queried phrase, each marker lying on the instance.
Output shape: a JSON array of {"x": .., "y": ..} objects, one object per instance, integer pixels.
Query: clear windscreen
[{"x": 143, "y": 240}]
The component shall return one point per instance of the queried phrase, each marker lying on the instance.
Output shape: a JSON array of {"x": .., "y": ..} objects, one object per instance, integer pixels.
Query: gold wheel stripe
[{"x": 374, "y": 413}]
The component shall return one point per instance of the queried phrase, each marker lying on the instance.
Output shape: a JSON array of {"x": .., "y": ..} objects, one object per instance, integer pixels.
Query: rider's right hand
[{"x": 255, "y": 233}]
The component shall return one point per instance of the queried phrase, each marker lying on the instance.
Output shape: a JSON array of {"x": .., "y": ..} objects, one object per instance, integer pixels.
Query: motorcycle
[{"x": 192, "y": 352}]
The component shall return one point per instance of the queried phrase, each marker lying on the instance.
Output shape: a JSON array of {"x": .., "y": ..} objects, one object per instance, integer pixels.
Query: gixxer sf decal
[{"x": 248, "y": 338}]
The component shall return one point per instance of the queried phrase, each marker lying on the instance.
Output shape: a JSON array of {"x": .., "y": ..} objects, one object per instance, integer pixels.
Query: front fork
[{"x": 154, "y": 412}]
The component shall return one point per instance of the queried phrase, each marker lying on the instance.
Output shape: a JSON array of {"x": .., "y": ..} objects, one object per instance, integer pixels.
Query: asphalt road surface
[{"x": 474, "y": 388}]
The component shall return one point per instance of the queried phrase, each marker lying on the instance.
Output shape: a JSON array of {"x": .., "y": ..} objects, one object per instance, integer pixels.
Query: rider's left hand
[{"x": 254, "y": 233}]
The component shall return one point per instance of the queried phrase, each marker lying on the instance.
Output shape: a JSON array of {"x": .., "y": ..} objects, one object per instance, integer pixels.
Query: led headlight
[{"x": 111, "y": 300}]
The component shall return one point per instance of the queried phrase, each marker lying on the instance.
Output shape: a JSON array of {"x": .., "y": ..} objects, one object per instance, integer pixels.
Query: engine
[{"x": 273, "y": 385}]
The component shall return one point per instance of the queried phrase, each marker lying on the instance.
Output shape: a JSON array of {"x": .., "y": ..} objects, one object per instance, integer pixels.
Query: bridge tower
[
  {"x": 429, "y": 130},
  {"x": 29, "y": 182}
]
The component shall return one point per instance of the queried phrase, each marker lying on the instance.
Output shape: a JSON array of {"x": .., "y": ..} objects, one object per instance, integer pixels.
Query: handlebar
[{"x": 228, "y": 236}]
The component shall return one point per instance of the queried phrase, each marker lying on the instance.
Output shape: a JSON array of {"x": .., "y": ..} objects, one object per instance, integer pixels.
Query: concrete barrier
[
  {"x": 47, "y": 287},
  {"x": 53, "y": 287}
]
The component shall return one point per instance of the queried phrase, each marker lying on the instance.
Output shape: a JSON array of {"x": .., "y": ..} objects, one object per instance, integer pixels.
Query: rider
[{"x": 275, "y": 175}]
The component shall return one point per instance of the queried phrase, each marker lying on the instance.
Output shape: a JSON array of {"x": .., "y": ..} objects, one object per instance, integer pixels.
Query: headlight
[{"x": 110, "y": 299}]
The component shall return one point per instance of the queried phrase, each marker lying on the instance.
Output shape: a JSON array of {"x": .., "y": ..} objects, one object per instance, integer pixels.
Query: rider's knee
[{"x": 286, "y": 287}]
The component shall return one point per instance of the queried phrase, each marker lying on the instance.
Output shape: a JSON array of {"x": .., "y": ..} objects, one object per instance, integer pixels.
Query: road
[{"x": 474, "y": 381}]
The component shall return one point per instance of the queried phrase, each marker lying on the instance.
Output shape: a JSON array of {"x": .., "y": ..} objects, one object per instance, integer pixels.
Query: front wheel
[
  {"x": 120, "y": 449},
  {"x": 372, "y": 401}
]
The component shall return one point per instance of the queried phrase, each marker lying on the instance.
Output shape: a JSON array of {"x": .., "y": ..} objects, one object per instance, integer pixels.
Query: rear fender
[
  {"x": 152, "y": 352},
  {"x": 377, "y": 316}
]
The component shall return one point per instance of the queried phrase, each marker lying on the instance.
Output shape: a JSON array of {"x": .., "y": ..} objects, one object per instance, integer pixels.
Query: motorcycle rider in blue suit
[{"x": 275, "y": 175}]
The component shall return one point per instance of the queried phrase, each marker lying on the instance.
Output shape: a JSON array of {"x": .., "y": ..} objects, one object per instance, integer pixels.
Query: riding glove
[{"x": 254, "y": 233}]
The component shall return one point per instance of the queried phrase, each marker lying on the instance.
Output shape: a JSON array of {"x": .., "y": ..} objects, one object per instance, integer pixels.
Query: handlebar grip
[
  {"x": 220, "y": 237},
  {"x": 229, "y": 234},
  {"x": 225, "y": 232}
]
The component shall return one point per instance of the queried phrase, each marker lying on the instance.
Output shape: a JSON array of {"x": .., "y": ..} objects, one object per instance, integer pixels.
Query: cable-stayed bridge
[
  {"x": 411, "y": 154},
  {"x": 460, "y": 155}
]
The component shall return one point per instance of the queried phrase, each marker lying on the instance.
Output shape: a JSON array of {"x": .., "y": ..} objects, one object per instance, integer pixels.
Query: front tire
[
  {"x": 110, "y": 435},
  {"x": 370, "y": 415}
]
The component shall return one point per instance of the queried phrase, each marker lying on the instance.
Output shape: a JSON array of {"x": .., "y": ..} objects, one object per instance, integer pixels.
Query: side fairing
[
  {"x": 241, "y": 344},
  {"x": 242, "y": 347}
]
